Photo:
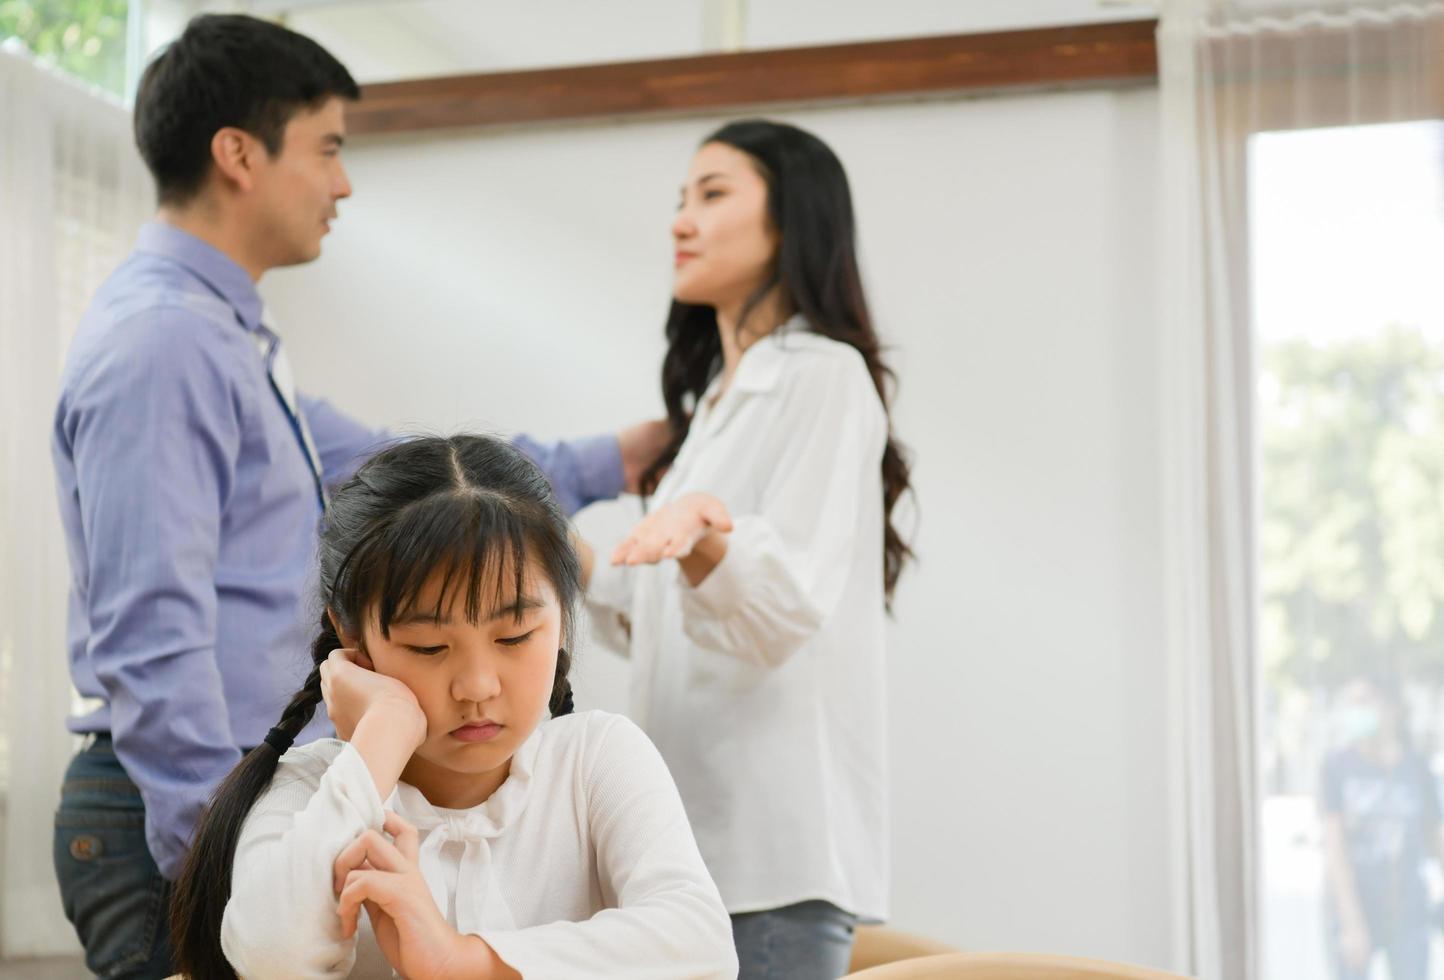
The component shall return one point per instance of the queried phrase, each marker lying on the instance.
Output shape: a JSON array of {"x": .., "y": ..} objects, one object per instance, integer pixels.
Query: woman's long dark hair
[
  {"x": 470, "y": 507},
  {"x": 817, "y": 275}
]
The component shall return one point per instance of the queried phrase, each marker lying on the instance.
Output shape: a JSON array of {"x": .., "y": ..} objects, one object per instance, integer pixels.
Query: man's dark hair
[{"x": 227, "y": 70}]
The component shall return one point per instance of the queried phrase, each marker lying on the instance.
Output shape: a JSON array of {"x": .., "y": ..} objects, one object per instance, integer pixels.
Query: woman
[{"x": 759, "y": 668}]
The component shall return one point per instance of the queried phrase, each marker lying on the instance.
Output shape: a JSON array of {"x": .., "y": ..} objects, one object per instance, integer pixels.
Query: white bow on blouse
[{"x": 479, "y": 903}]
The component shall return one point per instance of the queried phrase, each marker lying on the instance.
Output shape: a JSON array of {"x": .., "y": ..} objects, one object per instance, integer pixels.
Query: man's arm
[
  {"x": 584, "y": 471},
  {"x": 342, "y": 443},
  {"x": 154, "y": 436}
]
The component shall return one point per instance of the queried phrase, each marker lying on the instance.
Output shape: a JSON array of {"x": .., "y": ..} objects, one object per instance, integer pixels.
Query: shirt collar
[
  {"x": 479, "y": 902},
  {"x": 209, "y": 264},
  {"x": 761, "y": 365}
]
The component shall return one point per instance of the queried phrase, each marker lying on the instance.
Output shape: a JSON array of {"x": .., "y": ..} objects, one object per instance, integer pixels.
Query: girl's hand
[
  {"x": 383, "y": 876},
  {"x": 672, "y": 531},
  {"x": 351, "y": 687}
]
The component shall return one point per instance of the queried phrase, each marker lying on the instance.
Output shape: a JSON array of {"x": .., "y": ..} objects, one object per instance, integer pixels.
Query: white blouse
[
  {"x": 764, "y": 687},
  {"x": 580, "y": 865}
]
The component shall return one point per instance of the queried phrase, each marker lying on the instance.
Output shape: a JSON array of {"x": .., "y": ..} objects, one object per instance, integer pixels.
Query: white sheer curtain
[
  {"x": 1229, "y": 69},
  {"x": 73, "y": 193}
]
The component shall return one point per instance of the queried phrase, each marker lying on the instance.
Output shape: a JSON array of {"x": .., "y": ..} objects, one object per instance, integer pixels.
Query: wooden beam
[{"x": 1052, "y": 57}]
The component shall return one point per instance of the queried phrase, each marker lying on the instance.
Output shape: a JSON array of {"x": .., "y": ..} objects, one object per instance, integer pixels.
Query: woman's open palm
[{"x": 673, "y": 530}]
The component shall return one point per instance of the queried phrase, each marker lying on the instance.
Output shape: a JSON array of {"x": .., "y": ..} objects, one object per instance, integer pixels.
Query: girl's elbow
[
  {"x": 269, "y": 947},
  {"x": 727, "y": 967}
]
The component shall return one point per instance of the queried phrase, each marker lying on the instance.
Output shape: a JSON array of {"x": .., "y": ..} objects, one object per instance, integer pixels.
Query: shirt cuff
[
  {"x": 356, "y": 788},
  {"x": 173, "y": 812},
  {"x": 599, "y": 468},
  {"x": 610, "y": 585},
  {"x": 724, "y": 590}
]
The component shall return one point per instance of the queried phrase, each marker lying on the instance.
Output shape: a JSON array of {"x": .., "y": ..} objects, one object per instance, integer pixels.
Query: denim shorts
[
  {"x": 806, "y": 941},
  {"x": 111, "y": 889}
]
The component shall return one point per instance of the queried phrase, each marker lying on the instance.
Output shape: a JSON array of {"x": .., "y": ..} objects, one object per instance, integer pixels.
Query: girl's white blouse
[{"x": 582, "y": 864}]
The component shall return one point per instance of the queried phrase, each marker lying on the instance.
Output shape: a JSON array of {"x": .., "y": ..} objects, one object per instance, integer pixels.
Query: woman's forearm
[{"x": 706, "y": 555}]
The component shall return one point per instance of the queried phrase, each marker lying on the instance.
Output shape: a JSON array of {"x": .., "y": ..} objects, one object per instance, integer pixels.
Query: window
[
  {"x": 1346, "y": 230},
  {"x": 87, "y": 38}
]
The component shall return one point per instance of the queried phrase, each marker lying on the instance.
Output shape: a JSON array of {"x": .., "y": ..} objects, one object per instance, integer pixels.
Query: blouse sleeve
[
  {"x": 665, "y": 918},
  {"x": 281, "y": 919},
  {"x": 609, "y": 603},
  {"x": 787, "y": 563}
]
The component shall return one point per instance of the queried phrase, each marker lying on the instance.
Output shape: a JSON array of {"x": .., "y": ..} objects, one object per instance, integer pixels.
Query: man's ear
[{"x": 236, "y": 155}]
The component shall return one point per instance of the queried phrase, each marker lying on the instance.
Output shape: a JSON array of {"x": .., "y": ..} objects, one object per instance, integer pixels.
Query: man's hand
[{"x": 641, "y": 445}]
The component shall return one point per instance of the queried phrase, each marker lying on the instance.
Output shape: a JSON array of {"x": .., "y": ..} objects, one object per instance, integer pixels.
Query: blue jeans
[
  {"x": 112, "y": 891},
  {"x": 806, "y": 941}
]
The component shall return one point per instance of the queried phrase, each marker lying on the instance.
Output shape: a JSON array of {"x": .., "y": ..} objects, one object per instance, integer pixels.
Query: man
[{"x": 192, "y": 476}]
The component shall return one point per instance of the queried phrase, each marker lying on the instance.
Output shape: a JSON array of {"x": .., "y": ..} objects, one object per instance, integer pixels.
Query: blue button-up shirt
[{"x": 190, "y": 512}]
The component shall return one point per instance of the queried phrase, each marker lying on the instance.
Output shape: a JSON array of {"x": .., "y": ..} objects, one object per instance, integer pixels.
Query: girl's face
[
  {"x": 483, "y": 686},
  {"x": 726, "y": 246}
]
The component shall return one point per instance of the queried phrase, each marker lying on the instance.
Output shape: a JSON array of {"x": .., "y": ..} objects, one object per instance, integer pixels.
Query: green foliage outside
[
  {"x": 1352, "y": 509},
  {"x": 86, "y": 38}
]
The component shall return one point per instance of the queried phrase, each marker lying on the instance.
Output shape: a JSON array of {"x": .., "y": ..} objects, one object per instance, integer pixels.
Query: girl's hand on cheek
[{"x": 351, "y": 687}]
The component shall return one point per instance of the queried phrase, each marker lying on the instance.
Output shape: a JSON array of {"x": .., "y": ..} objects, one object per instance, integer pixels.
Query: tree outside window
[{"x": 86, "y": 38}]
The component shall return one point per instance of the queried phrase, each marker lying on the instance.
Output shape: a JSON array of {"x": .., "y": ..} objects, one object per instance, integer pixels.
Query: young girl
[
  {"x": 479, "y": 838},
  {"x": 755, "y": 589}
]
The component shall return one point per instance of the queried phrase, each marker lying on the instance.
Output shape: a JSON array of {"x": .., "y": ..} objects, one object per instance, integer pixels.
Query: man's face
[{"x": 297, "y": 189}]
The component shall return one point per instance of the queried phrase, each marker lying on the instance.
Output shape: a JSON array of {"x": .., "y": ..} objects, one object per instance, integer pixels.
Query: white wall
[{"x": 519, "y": 280}]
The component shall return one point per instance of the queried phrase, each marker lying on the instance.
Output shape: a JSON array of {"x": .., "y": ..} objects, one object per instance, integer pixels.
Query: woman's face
[
  {"x": 726, "y": 246},
  {"x": 484, "y": 686}
]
